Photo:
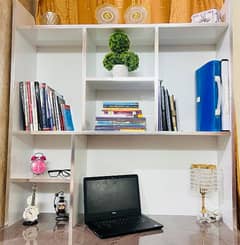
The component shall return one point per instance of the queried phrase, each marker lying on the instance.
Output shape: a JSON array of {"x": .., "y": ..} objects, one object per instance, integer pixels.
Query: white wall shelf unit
[{"x": 69, "y": 59}]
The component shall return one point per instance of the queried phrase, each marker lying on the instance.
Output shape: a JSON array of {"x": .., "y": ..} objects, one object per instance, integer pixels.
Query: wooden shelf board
[{"x": 40, "y": 180}]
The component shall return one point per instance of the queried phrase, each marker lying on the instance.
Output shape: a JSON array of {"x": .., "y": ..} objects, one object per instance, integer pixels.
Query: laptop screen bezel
[{"x": 110, "y": 215}]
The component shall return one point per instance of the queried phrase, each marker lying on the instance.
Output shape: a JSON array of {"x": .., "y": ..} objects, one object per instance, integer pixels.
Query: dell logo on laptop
[{"x": 114, "y": 212}]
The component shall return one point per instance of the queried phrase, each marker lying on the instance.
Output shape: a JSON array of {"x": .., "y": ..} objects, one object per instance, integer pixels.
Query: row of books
[
  {"x": 167, "y": 112},
  {"x": 121, "y": 116},
  {"x": 43, "y": 108}
]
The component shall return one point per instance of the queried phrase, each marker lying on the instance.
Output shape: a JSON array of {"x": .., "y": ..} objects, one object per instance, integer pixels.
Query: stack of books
[
  {"x": 167, "y": 112},
  {"x": 121, "y": 116},
  {"x": 43, "y": 108}
]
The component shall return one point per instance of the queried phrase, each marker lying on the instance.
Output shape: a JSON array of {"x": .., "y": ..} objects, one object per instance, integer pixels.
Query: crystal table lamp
[{"x": 204, "y": 180}]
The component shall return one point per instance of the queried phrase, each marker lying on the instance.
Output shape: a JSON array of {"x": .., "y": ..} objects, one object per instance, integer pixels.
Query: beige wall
[
  {"x": 5, "y": 37},
  {"x": 29, "y": 5},
  {"x": 5, "y": 44}
]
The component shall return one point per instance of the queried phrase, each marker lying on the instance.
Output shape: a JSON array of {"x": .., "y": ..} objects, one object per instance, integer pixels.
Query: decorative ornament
[
  {"x": 107, "y": 14},
  {"x": 136, "y": 14},
  {"x": 38, "y": 163},
  {"x": 31, "y": 212}
]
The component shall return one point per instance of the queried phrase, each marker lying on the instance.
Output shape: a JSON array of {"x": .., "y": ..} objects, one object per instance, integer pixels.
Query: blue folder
[{"x": 208, "y": 96}]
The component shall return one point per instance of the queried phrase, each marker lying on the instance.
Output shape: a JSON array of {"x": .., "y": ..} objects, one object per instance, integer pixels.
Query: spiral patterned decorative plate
[
  {"x": 107, "y": 14},
  {"x": 136, "y": 14}
]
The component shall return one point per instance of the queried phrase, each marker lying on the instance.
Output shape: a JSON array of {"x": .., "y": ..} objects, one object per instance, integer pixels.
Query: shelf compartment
[
  {"x": 56, "y": 148},
  {"x": 53, "y": 36},
  {"x": 142, "y": 42},
  {"x": 127, "y": 83},
  {"x": 191, "y": 34},
  {"x": 139, "y": 35},
  {"x": 96, "y": 97}
]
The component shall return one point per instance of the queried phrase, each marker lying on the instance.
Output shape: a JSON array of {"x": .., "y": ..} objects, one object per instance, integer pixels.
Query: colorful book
[{"x": 67, "y": 116}]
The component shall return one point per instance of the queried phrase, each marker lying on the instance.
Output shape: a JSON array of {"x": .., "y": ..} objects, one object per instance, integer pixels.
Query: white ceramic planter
[{"x": 120, "y": 71}]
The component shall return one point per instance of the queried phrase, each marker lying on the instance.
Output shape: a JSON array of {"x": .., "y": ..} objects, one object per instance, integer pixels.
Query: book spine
[
  {"x": 38, "y": 104},
  {"x": 22, "y": 105},
  {"x": 160, "y": 124},
  {"x": 44, "y": 106},
  {"x": 29, "y": 105},
  {"x": 49, "y": 109},
  {"x": 34, "y": 107},
  {"x": 60, "y": 103},
  {"x": 56, "y": 111},
  {"x": 173, "y": 113},
  {"x": 164, "y": 120},
  {"x": 168, "y": 112},
  {"x": 26, "y": 108}
]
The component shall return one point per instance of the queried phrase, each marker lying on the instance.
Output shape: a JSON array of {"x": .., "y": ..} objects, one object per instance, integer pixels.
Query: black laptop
[{"x": 112, "y": 206}]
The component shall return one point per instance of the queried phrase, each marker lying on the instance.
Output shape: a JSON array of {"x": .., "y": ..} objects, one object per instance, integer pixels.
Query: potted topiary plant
[{"x": 120, "y": 60}]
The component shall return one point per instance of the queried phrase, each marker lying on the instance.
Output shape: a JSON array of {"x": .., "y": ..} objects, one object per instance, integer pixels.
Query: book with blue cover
[
  {"x": 67, "y": 118},
  {"x": 208, "y": 97}
]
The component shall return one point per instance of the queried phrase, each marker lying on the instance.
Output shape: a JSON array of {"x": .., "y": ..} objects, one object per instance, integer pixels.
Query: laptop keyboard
[{"x": 119, "y": 222}]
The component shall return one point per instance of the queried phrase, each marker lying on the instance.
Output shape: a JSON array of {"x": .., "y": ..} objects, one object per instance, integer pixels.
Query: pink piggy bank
[{"x": 38, "y": 163}]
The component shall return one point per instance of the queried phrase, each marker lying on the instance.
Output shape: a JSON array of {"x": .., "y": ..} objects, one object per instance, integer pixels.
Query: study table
[{"x": 178, "y": 230}]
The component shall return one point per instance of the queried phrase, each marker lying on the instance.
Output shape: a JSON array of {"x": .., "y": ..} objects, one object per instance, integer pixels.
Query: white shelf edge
[
  {"x": 93, "y": 132},
  {"x": 39, "y": 180},
  {"x": 120, "y": 79},
  {"x": 108, "y": 26},
  {"x": 47, "y": 133},
  {"x": 71, "y": 35},
  {"x": 162, "y": 133}
]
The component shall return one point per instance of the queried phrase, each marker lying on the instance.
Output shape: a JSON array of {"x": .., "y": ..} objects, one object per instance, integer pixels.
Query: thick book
[
  {"x": 208, "y": 97},
  {"x": 168, "y": 111},
  {"x": 29, "y": 105}
]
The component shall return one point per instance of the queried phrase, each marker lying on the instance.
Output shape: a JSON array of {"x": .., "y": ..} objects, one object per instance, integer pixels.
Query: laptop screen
[{"x": 111, "y": 196}]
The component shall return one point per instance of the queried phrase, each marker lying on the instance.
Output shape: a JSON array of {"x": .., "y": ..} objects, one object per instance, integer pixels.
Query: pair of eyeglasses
[{"x": 59, "y": 172}]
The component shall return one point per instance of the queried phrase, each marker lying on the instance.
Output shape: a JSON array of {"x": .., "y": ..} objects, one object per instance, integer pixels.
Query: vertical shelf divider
[{"x": 156, "y": 77}]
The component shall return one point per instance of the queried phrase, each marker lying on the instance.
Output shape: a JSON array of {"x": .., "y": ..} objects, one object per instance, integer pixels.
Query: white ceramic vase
[{"x": 120, "y": 71}]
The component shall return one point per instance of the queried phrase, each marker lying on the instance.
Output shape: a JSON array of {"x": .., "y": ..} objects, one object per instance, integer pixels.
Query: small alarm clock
[{"x": 38, "y": 163}]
